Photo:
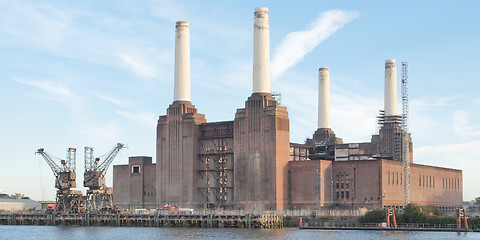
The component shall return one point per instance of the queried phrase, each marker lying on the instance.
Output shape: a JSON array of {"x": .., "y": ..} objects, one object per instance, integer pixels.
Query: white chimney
[
  {"x": 323, "y": 98},
  {"x": 261, "y": 51},
  {"x": 182, "y": 62},
  {"x": 391, "y": 108}
]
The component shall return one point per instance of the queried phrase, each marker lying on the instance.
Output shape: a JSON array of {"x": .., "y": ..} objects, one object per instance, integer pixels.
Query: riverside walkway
[{"x": 425, "y": 227}]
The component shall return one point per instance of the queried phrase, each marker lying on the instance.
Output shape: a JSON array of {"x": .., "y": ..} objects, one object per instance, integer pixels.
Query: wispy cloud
[
  {"x": 107, "y": 131},
  {"x": 56, "y": 91},
  {"x": 169, "y": 10},
  {"x": 297, "y": 44},
  {"x": 139, "y": 64},
  {"x": 477, "y": 101},
  {"x": 39, "y": 23},
  {"x": 428, "y": 102},
  {"x": 121, "y": 103},
  {"x": 471, "y": 147},
  {"x": 144, "y": 118},
  {"x": 462, "y": 126}
]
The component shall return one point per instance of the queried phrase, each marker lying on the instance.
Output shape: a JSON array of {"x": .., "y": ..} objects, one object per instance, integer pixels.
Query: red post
[
  {"x": 388, "y": 218},
  {"x": 394, "y": 219},
  {"x": 465, "y": 218},
  {"x": 301, "y": 223}
]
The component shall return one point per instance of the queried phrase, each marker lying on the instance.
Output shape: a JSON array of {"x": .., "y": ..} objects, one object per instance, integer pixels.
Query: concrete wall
[
  {"x": 134, "y": 184},
  {"x": 15, "y": 205},
  {"x": 357, "y": 183},
  {"x": 261, "y": 152},
  {"x": 309, "y": 184},
  {"x": 379, "y": 183},
  {"x": 436, "y": 186},
  {"x": 121, "y": 186},
  {"x": 177, "y": 155}
]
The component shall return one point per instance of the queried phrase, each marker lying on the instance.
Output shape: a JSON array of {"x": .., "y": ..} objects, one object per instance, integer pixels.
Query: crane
[
  {"x": 405, "y": 136},
  {"x": 99, "y": 198},
  {"x": 67, "y": 200}
]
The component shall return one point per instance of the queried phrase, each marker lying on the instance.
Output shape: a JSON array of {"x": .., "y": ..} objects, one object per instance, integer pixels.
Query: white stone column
[
  {"x": 182, "y": 62},
  {"x": 391, "y": 103},
  {"x": 323, "y": 98},
  {"x": 261, "y": 51}
]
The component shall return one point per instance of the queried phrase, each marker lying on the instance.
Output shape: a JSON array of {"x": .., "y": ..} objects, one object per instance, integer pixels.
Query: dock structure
[{"x": 146, "y": 220}]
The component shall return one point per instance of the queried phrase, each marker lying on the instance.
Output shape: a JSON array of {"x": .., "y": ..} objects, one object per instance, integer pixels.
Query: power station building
[{"x": 250, "y": 164}]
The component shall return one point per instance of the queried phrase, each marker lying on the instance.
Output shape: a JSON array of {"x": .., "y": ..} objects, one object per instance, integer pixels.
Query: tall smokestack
[
  {"x": 182, "y": 62},
  {"x": 391, "y": 108},
  {"x": 261, "y": 51},
  {"x": 323, "y": 98}
]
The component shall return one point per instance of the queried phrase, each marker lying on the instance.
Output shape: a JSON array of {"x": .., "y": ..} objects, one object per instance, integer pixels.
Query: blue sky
[{"x": 94, "y": 73}]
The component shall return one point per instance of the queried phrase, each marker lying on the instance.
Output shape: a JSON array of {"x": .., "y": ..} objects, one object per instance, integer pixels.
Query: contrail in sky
[{"x": 297, "y": 44}]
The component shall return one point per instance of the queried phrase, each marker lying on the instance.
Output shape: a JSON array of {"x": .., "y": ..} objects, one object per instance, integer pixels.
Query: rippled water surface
[{"x": 85, "y": 233}]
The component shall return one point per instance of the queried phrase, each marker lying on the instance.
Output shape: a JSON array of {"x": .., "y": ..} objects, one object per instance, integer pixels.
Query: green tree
[
  {"x": 477, "y": 201},
  {"x": 374, "y": 216},
  {"x": 413, "y": 214}
]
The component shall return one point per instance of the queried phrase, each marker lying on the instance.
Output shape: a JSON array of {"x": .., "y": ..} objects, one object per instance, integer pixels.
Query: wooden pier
[{"x": 146, "y": 220}]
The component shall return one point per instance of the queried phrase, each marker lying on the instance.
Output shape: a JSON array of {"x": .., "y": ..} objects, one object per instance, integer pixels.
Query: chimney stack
[
  {"x": 261, "y": 51},
  {"x": 323, "y": 98},
  {"x": 391, "y": 108},
  {"x": 182, "y": 62}
]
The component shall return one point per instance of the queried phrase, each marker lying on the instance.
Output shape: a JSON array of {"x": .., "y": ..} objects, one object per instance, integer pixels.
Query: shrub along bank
[{"x": 416, "y": 214}]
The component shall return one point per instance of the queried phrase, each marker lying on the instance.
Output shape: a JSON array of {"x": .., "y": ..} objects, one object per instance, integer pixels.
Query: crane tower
[
  {"x": 405, "y": 136},
  {"x": 67, "y": 200},
  {"x": 99, "y": 198}
]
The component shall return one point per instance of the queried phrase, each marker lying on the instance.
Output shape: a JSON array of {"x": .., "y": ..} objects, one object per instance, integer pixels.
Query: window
[
  {"x": 433, "y": 181},
  {"x": 338, "y": 195},
  {"x": 136, "y": 169},
  {"x": 419, "y": 180},
  {"x": 347, "y": 193},
  {"x": 423, "y": 178},
  {"x": 388, "y": 177},
  {"x": 338, "y": 185},
  {"x": 342, "y": 185},
  {"x": 343, "y": 195},
  {"x": 401, "y": 179},
  {"x": 347, "y": 185},
  {"x": 397, "y": 176},
  {"x": 430, "y": 181}
]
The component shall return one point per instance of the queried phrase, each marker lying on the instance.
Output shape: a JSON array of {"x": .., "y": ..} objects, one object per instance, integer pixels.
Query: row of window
[
  {"x": 426, "y": 181},
  {"x": 343, "y": 184},
  {"x": 451, "y": 183},
  {"x": 147, "y": 194},
  {"x": 221, "y": 190},
  {"x": 220, "y": 181},
  {"x": 343, "y": 194},
  {"x": 217, "y": 148},
  {"x": 395, "y": 178},
  {"x": 219, "y": 160}
]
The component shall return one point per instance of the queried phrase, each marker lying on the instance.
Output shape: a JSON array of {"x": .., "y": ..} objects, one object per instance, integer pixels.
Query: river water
[{"x": 86, "y": 233}]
